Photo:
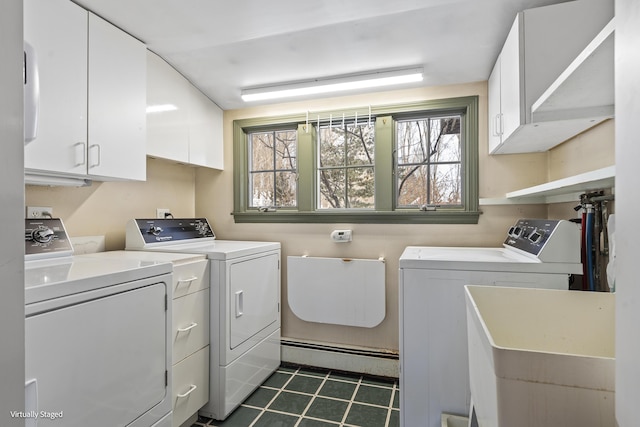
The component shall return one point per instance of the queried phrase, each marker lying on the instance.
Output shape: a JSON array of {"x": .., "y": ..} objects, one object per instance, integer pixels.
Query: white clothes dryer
[
  {"x": 434, "y": 371},
  {"x": 244, "y": 304},
  {"x": 97, "y": 348}
]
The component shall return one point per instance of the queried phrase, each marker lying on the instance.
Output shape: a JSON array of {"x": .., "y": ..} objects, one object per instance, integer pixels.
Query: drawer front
[
  {"x": 190, "y": 385},
  {"x": 190, "y": 324},
  {"x": 190, "y": 278}
]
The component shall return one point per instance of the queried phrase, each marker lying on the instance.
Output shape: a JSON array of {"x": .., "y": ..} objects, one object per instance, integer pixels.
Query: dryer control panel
[
  {"x": 550, "y": 240},
  {"x": 154, "y": 230}
]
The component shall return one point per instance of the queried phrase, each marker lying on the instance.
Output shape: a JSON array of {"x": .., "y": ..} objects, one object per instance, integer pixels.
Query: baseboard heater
[{"x": 339, "y": 357}]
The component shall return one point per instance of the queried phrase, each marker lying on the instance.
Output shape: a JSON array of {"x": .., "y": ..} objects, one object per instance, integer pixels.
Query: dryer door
[{"x": 253, "y": 298}]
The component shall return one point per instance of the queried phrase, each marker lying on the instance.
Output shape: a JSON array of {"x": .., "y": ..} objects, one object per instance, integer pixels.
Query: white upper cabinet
[
  {"x": 183, "y": 125},
  {"x": 541, "y": 44},
  {"x": 167, "y": 111},
  {"x": 91, "y": 110},
  {"x": 57, "y": 29},
  {"x": 117, "y": 103}
]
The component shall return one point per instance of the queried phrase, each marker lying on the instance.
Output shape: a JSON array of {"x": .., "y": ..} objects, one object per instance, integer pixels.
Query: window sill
[{"x": 397, "y": 217}]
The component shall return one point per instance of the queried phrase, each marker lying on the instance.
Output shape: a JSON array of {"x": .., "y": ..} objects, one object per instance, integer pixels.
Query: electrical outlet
[
  {"x": 39, "y": 212},
  {"x": 162, "y": 212}
]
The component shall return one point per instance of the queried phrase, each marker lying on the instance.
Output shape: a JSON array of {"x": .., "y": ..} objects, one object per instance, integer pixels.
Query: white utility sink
[{"x": 540, "y": 357}]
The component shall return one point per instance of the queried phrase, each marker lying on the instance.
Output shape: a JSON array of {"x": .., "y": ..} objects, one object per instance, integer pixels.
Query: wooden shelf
[{"x": 559, "y": 191}]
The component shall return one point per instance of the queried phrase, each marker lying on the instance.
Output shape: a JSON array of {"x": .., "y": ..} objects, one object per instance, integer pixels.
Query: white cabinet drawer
[
  {"x": 189, "y": 278},
  {"x": 190, "y": 324},
  {"x": 190, "y": 385}
]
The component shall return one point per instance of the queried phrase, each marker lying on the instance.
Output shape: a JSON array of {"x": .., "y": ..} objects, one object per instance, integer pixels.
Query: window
[
  {"x": 413, "y": 163},
  {"x": 345, "y": 166},
  {"x": 272, "y": 169},
  {"x": 429, "y": 162}
]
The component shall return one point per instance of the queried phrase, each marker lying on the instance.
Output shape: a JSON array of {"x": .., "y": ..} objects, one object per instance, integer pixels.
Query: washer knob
[
  {"x": 42, "y": 235},
  {"x": 155, "y": 230}
]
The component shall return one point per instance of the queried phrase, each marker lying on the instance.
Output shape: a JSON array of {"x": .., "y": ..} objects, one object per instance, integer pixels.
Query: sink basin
[{"x": 540, "y": 357}]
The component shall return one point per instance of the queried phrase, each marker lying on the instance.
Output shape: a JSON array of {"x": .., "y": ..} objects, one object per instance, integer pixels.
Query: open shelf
[
  {"x": 586, "y": 87},
  {"x": 562, "y": 190}
]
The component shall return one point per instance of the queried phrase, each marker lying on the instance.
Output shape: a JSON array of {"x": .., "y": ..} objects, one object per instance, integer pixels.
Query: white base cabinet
[
  {"x": 190, "y": 332},
  {"x": 183, "y": 124},
  {"x": 91, "y": 108}
]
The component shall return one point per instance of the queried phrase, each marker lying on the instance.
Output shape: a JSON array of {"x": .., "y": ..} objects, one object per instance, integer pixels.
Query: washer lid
[{"x": 479, "y": 259}]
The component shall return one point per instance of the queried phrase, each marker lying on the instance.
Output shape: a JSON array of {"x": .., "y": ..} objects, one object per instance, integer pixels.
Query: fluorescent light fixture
[
  {"x": 337, "y": 84},
  {"x": 55, "y": 181},
  {"x": 160, "y": 108}
]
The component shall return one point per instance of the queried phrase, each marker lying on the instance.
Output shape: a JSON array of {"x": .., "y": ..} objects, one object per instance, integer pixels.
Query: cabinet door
[
  {"x": 117, "y": 103},
  {"x": 168, "y": 104},
  {"x": 511, "y": 68},
  {"x": 205, "y": 131},
  {"x": 57, "y": 29}
]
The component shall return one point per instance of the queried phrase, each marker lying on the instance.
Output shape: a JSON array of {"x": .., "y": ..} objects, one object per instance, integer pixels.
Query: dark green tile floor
[{"x": 296, "y": 396}]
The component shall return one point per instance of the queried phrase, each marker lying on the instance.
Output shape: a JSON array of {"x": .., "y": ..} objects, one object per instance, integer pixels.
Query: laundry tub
[{"x": 540, "y": 358}]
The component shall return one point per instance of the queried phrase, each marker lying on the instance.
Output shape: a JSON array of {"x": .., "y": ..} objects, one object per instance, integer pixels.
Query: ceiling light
[{"x": 329, "y": 85}]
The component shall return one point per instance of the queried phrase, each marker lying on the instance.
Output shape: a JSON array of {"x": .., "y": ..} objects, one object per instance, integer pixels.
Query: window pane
[
  {"x": 331, "y": 146},
  {"x": 286, "y": 189},
  {"x": 446, "y": 184},
  {"x": 261, "y": 145},
  {"x": 273, "y": 169},
  {"x": 332, "y": 183},
  {"x": 412, "y": 146},
  {"x": 412, "y": 185},
  {"x": 286, "y": 150},
  {"x": 262, "y": 189},
  {"x": 360, "y": 141},
  {"x": 360, "y": 190},
  {"x": 445, "y": 139}
]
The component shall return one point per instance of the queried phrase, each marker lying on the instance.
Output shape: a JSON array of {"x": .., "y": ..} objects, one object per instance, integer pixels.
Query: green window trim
[{"x": 385, "y": 210}]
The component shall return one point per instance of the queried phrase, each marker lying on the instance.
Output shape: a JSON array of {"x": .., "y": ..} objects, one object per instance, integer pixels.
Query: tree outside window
[
  {"x": 429, "y": 162},
  {"x": 346, "y": 166},
  {"x": 272, "y": 169}
]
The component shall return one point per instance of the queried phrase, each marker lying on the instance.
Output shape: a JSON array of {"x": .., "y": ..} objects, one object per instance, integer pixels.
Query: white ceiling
[{"x": 226, "y": 46}]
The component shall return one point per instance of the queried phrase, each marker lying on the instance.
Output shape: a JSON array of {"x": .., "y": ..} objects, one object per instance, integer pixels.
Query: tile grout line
[
  {"x": 313, "y": 398},
  {"x": 263, "y": 410}
]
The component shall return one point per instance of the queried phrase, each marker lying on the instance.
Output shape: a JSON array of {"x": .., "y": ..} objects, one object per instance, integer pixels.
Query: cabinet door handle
[
  {"x": 97, "y": 146},
  {"x": 81, "y": 158},
  {"x": 188, "y": 392},
  {"x": 187, "y": 280},
  {"x": 188, "y": 328},
  {"x": 239, "y": 303},
  {"x": 31, "y": 401},
  {"x": 498, "y": 124}
]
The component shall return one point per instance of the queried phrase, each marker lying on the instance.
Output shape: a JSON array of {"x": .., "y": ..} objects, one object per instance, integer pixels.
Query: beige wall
[
  {"x": 498, "y": 174},
  {"x": 105, "y": 207}
]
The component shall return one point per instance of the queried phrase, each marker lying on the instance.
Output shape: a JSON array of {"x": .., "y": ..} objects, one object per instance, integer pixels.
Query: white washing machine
[
  {"x": 97, "y": 348},
  {"x": 244, "y": 304},
  {"x": 434, "y": 372}
]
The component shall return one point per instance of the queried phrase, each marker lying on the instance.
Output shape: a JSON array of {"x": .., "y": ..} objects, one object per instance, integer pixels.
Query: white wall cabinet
[
  {"x": 91, "y": 112},
  {"x": 542, "y": 43},
  {"x": 183, "y": 124}
]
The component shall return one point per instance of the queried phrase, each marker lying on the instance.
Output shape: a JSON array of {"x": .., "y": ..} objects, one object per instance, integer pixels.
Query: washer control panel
[
  {"x": 153, "y": 230},
  {"x": 46, "y": 237},
  {"x": 531, "y": 235}
]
